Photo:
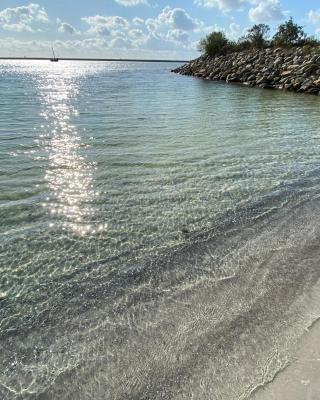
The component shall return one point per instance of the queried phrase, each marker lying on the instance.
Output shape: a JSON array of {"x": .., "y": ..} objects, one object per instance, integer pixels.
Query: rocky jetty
[{"x": 286, "y": 69}]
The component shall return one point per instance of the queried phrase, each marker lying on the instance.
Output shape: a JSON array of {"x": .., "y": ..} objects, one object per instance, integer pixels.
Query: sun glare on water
[{"x": 69, "y": 174}]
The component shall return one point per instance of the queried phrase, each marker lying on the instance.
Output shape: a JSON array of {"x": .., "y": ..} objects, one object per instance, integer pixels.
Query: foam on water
[{"x": 159, "y": 235}]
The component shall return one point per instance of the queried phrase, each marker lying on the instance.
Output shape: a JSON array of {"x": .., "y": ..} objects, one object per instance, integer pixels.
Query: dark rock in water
[
  {"x": 263, "y": 81},
  {"x": 233, "y": 78},
  {"x": 266, "y": 86},
  {"x": 313, "y": 90},
  {"x": 284, "y": 69},
  {"x": 185, "y": 231}
]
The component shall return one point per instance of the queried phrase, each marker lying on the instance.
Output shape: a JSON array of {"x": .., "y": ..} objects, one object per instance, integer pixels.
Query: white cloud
[
  {"x": 178, "y": 36},
  {"x": 64, "y": 27},
  {"x": 223, "y": 5},
  {"x": 135, "y": 33},
  {"x": 149, "y": 46},
  {"x": 116, "y": 22},
  {"x": 103, "y": 26},
  {"x": 261, "y": 11},
  {"x": 235, "y": 30},
  {"x": 266, "y": 11},
  {"x": 67, "y": 28},
  {"x": 173, "y": 18},
  {"x": 177, "y": 18},
  {"x": 158, "y": 42},
  {"x": 23, "y": 19},
  {"x": 172, "y": 33},
  {"x": 120, "y": 43},
  {"x": 314, "y": 16},
  {"x": 130, "y": 3},
  {"x": 167, "y": 31},
  {"x": 137, "y": 21},
  {"x": 152, "y": 24}
]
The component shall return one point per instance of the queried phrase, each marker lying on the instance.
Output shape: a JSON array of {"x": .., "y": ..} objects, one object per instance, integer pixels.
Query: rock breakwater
[{"x": 286, "y": 69}]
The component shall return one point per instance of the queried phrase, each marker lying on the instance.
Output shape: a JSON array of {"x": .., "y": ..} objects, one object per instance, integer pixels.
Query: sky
[{"x": 158, "y": 29}]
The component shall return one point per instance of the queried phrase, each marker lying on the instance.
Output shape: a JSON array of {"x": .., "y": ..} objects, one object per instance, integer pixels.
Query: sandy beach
[{"x": 301, "y": 379}]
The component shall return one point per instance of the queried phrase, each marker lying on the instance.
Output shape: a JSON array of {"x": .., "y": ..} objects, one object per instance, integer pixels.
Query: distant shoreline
[{"x": 93, "y": 59}]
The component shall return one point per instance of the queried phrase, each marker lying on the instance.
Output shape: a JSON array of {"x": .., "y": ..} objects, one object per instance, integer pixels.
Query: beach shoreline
[{"x": 300, "y": 380}]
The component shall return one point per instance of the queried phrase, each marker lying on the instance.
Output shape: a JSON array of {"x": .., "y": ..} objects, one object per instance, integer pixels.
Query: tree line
[{"x": 289, "y": 34}]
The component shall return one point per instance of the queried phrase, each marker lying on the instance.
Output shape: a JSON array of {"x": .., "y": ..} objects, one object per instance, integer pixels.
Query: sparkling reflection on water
[{"x": 70, "y": 176}]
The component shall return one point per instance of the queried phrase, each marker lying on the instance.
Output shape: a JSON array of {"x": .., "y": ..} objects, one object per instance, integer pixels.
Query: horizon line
[{"x": 93, "y": 59}]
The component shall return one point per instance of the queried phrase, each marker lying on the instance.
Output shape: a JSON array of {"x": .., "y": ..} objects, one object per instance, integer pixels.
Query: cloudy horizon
[{"x": 137, "y": 28}]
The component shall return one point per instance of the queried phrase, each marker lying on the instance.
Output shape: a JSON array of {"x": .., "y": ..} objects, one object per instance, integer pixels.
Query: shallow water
[{"x": 159, "y": 233}]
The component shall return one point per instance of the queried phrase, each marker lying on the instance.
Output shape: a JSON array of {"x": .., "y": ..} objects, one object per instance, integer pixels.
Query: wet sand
[{"x": 301, "y": 379}]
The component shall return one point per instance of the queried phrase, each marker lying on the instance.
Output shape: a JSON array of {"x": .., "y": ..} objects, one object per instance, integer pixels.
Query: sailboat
[{"x": 53, "y": 58}]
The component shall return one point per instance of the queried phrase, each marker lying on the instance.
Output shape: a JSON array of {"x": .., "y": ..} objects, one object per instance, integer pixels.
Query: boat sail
[{"x": 53, "y": 58}]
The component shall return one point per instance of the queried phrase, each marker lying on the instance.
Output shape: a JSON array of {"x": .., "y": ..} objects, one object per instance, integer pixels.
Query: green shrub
[
  {"x": 242, "y": 44},
  {"x": 214, "y": 44},
  {"x": 310, "y": 42},
  {"x": 289, "y": 34},
  {"x": 311, "y": 45},
  {"x": 257, "y": 36}
]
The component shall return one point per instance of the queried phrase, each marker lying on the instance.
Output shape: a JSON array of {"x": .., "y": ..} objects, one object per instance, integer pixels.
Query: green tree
[
  {"x": 289, "y": 34},
  {"x": 257, "y": 35},
  {"x": 215, "y": 43}
]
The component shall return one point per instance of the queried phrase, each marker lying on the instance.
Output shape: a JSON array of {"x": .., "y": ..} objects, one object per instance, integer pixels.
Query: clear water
[{"x": 159, "y": 234}]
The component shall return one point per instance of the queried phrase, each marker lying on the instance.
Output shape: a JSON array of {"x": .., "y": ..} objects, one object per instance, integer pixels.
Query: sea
[{"x": 159, "y": 234}]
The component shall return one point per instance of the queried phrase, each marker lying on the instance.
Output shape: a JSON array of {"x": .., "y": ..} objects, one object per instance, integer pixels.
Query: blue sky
[{"x": 137, "y": 28}]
